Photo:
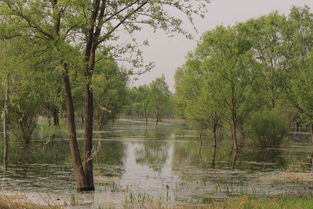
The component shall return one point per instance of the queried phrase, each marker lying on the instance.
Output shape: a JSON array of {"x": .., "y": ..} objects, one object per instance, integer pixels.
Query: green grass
[
  {"x": 287, "y": 202},
  {"x": 305, "y": 202}
]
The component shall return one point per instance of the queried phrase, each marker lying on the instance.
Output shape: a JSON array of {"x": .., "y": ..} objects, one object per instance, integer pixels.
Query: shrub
[{"x": 267, "y": 129}]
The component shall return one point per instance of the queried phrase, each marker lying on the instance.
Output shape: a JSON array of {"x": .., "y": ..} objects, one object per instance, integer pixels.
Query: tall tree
[
  {"x": 227, "y": 53},
  {"x": 89, "y": 27},
  {"x": 159, "y": 96}
]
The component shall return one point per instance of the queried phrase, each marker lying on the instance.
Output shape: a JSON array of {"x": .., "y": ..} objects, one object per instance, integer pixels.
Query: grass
[
  {"x": 14, "y": 202},
  {"x": 267, "y": 203},
  {"x": 244, "y": 202},
  {"x": 248, "y": 203}
]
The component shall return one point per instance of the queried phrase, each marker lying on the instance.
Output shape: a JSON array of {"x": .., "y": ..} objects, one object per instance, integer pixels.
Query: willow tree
[
  {"x": 298, "y": 41},
  {"x": 159, "y": 97},
  {"x": 265, "y": 35},
  {"x": 227, "y": 54},
  {"x": 90, "y": 27},
  {"x": 197, "y": 100}
]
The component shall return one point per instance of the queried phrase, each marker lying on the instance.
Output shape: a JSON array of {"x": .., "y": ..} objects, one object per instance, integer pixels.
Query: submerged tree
[
  {"x": 78, "y": 31},
  {"x": 198, "y": 103},
  {"x": 159, "y": 98},
  {"x": 255, "y": 66}
]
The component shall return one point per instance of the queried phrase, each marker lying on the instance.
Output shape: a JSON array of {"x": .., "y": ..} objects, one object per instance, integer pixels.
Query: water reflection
[{"x": 165, "y": 162}]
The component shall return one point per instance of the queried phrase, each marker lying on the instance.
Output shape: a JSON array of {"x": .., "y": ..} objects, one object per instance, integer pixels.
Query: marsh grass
[
  {"x": 244, "y": 202},
  {"x": 17, "y": 202}
]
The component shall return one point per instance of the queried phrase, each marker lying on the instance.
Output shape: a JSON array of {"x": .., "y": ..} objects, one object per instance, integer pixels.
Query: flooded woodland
[
  {"x": 230, "y": 126},
  {"x": 136, "y": 163}
]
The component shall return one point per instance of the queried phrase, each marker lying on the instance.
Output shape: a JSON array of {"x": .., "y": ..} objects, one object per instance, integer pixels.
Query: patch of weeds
[{"x": 298, "y": 166}]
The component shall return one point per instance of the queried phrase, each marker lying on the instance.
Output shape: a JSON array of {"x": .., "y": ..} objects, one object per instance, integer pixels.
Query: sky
[{"x": 169, "y": 53}]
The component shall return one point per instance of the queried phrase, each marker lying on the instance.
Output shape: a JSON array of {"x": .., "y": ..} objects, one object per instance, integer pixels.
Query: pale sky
[{"x": 169, "y": 53}]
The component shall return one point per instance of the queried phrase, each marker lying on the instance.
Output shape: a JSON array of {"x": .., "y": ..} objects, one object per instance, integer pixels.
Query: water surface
[{"x": 135, "y": 163}]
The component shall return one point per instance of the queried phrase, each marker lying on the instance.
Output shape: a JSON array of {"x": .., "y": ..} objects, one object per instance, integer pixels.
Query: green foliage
[
  {"x": 267, "y": 129},
  {"x": 109, "y": 86},
  {"x": 159, "y": 97},
  {"x": 213, "y": 85},
  {"x": 153, "y": 100},
  {"x": 261, "y": 64}
]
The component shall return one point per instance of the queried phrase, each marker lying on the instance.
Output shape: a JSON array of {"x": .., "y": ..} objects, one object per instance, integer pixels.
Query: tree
[
  {"x": 265, "y": 36},
  {"x": 159, "y": 98},
  {"x": 226, "y": 52},
  {"x": 109, "y": 90},
  {"x": 298, "y": 39},
  {"x": 78, "y": 31},
  {"x": 198, "y": 102}
]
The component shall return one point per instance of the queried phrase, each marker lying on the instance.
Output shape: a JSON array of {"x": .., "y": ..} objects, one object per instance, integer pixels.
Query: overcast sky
[{"x": 169, "y": 53}]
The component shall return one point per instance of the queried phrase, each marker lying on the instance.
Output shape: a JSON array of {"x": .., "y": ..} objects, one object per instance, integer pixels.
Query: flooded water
[{"x": 135, "y": 163}]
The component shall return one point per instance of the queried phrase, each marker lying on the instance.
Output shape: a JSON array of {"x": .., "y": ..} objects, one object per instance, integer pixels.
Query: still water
[{"x": 135, "y": 163}]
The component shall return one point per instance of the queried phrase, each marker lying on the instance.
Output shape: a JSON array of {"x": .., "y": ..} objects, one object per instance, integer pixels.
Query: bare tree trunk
[
  {"x": 234, "y": 119},
  {"x": 273, "y": 104},
  {"x": 5, "y": 131},
  {"x": 234, "y": 136},
  {"x": 76, "y": 160},
  {"x": 233, "y": 158},
  {"x": 215, "y": 135},
  {"x": 297, "y": 126},
  {"x": 311, "y": 129},
  {"x": 213, "y": 157},
  {"x": 88, "y": 127},
  {"x": 56, "y": 121}
]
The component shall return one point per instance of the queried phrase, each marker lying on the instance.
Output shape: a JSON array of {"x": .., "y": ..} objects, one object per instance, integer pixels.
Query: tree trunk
[
  {"x": 5, "y": 131},
  {"x": 233, "y": 158},
  {"x": 234, "y": 135},
  {"x": 311, "y": 129},
  {"x": 215, "y": 137},
  {"x": 273, "y": 104},
  {"x": 88, "y": 127},
  {"x": 234, "y": 119},
  {"x": 56, "y": 121},
  {"x": 213, "y": 157},
  {"x": 297, "y": 126},
  {"x": 76, "y": 160}
]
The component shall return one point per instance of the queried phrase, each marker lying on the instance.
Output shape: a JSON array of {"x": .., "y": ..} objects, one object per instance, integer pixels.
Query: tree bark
[
  {"x": 5, "y": 131},
  {"x": 76, "y": 160},
  {"x": 234, "y": 118},
  {"x": 88, "y": 127},
  {"x": 56, "y": 121},
  {"x": 311, "y": 130},
  {"x": 213, "y": 157},
  {"x": 233, "y": 158},
  {"x": 297, "y": 126},
  {"x": 215, "y": 136},
  {"x": 234, "y": 135}
]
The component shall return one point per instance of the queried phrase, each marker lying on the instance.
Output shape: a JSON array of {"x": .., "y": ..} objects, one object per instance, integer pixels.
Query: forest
[{"x": 243, "y": 96}]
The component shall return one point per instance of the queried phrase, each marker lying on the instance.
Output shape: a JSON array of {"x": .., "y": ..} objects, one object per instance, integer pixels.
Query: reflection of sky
[
  {"x": 169, "y": 53},
  {"x": 143, "y": 179},
  {"x": 189, "y": 176}
]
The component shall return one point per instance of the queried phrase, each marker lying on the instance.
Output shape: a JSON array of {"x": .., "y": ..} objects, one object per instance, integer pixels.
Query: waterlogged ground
[{"x": 136, "y": 164}]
